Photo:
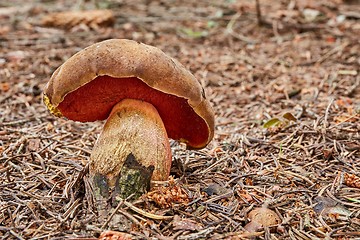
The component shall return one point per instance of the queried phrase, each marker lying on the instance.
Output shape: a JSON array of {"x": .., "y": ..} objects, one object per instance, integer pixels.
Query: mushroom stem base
[
  {"x": 134, "y": 179},
  {"x": 132, "y": 150}
]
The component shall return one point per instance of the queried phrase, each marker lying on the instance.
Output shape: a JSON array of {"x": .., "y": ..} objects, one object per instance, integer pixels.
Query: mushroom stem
[{"x": 132, "y": 149}]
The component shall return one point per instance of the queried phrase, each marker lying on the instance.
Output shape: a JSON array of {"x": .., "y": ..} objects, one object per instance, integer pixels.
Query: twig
[
  {"x": 299, "y": 176},
  {"x": 198, "y": 235},
  {"x": 258, "y": 13},
  {"x": 327, "y": 113},
  {"x": 238, "y": 235},
  {"x": 131, "y": 217},
  {"x": 229, "y": 30},
  {"x": 355, "y": 86},
  {"x": 68, "y": 212},
  {"x": 146, "y": 214},
  {"x": 16, "y": 235},
  {"x": 113, "y": 213}
]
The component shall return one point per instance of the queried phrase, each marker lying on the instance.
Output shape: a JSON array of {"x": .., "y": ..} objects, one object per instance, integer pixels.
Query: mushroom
[{"x": 146, "y": 97}]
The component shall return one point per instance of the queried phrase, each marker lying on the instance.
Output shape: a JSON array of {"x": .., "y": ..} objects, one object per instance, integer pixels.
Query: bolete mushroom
[{"x": 146, "y": 97}]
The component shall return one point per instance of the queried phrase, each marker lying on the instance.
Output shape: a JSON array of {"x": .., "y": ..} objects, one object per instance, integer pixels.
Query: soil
[{"x": 282, "y": 77}]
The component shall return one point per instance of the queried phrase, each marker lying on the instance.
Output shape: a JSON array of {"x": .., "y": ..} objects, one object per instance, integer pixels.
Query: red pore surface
[{"x": 95, "y": 100}]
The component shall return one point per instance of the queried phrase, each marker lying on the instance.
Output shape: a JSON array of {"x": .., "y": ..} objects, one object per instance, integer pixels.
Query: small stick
[
  {"x": 112, "y": 215},
  {"x": 146, "y": 214},
  {"x": 327, "y": 113},
  {"x": 258, "y": 13}
]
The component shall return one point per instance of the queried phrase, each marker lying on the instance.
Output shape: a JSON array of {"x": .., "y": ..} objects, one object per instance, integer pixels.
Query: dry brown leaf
[
  {"x": 328, "y": 153},
  {"x": 343, "y": 102},
  {"x": 90, "y": 18},
  {"x": 4, "y": 87},
  {"x": 16, "y": 56},
  {"x": 245, "y": 195},
  {"x": 4, "y": 30},
  {"x": 34, "y": 145},
  {"x": 328, "y": 207},
  {"x": 346, "y": 118},
  {"x": 185, "y": 224},
  {"x": 347, "y": 112},
  {"x": 215, "y": 189},
  {"x": 261, "y": 217},
  {"x": 114, "y": 235}
]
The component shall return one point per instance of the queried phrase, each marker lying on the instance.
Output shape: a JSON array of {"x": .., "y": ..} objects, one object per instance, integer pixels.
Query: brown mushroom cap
[{"x": 88, "y": 85}]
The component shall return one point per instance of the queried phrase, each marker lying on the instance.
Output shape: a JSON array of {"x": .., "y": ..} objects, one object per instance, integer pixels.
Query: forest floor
[{"x": 285, "y": 89}]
